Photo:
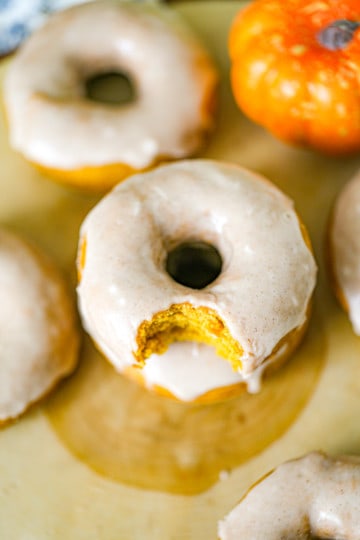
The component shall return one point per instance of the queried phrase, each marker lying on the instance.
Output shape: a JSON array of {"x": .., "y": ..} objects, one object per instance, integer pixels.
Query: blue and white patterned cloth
[{"x": 18, "y": 18}]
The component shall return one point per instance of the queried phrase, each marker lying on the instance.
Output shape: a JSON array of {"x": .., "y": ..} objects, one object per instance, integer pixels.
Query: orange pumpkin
[{"x": 296, "y": 70}]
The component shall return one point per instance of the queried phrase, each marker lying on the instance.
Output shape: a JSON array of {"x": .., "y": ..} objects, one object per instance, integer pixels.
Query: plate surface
[{"x": 105, "y": 459}]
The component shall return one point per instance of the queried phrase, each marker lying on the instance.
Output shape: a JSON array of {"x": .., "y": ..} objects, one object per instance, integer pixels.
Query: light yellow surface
[{"x": 47, "y": 493}]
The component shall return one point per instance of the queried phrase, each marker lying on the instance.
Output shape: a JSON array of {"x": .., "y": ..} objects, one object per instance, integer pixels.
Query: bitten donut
[
  {"x": 344, "y": 250},
  {"x": 38, "y": 331},
  {"x": 174, "y": 220},
  {"x": 314, "y": 496},
  {"x": 92, "y": 144}
]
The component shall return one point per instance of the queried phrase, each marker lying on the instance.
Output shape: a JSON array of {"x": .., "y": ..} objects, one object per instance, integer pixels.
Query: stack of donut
[
  {"x": 54, "y": 125},
  {"x": 253, "y": 311}
]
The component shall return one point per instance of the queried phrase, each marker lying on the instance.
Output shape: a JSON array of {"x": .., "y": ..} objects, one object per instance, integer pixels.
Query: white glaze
[
  {"x": 52, "y": 124},
  {"x": 345, "y": 247},
  {"x": 189, "y": 370},
  {"x": 38, "y": 340},
  {"x": 268, "y": 272},
  {"x": 315, "y": 494}
]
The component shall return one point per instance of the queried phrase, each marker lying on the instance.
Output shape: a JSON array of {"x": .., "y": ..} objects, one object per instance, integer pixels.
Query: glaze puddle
[{"x": 132, "y": 436}]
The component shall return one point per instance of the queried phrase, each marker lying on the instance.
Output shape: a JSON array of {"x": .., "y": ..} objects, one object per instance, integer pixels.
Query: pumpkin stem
[{"x": 337, "y": 34}]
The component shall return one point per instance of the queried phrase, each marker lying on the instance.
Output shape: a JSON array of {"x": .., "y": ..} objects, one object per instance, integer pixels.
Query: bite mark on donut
[{"x": 184, "y": 322}]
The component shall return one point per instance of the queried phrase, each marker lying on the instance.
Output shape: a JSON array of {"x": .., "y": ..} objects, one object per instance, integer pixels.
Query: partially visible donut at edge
[
  {"x": 39, "y": 332},
  {"x": 254, "y": 313},
  {"x": 95, "y": 145},
  {"x": 344, "y": 249},
  {"x": 315, "y": 496}
]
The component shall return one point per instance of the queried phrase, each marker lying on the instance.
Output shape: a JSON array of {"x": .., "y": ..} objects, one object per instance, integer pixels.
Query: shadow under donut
[{"x": 133, "y": 436}]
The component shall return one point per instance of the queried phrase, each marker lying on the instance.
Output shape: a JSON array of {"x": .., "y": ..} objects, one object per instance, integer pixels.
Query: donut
[
  {"x": 147, "y": 272},
  {"x": 344, "y": 250},
  {"x": 38, "y": 327},
  {"x": 95, "y": 145},
  {"x": 313, "y": 496}
]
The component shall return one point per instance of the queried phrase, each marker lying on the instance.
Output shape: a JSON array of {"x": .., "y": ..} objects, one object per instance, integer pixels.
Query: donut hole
[
  {"x": 194, "y": 264},
  {"x": 113, "y": 88}
]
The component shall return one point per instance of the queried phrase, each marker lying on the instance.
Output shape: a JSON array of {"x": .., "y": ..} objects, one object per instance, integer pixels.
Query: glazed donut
[
  {"x": 314, "y": 496},
  {"x": 89, "y": 144},
  {"x": 38, "y": 330},
  {"x": 133, "y": 304},
  {"x": 344, "y": 250}
]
